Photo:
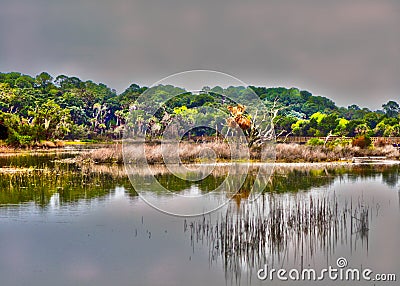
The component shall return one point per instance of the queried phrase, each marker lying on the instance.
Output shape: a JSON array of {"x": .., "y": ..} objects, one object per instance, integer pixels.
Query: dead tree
[{"x": 263, "y": 130}]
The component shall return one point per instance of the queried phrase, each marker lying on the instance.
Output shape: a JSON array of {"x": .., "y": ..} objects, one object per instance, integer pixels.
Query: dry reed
[
  {"x": 188, "y": 152},
  {"x": 257, "y": 234}
]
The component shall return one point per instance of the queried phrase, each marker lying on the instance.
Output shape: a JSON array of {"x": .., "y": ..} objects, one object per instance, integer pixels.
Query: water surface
[{"x": 63, "y": 224}]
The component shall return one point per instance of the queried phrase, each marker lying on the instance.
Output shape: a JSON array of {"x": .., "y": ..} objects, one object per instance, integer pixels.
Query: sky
[{"x": 348, "y": 51}]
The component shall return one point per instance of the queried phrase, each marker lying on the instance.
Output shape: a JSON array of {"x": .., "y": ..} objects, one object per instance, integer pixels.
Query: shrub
[
  {"x": 315, "y": 142},
  {"x": 25, "y": 140},
  {"x": 15, "y": 139},
  {"x": 77, "y": 131},
  {"x": 339, "y": 142},
  {"x": 361, "y": 141}
]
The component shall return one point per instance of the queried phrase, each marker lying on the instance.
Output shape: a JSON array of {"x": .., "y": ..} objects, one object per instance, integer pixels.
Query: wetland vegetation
[{"x": 41, "y": 110}]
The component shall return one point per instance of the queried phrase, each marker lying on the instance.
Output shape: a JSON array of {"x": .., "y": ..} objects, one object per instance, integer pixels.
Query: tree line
[{"x": 41, "y": 107}]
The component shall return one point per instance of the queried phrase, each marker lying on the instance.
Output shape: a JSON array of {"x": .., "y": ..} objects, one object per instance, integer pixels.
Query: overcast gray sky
[{"x": 348, "y": 51}]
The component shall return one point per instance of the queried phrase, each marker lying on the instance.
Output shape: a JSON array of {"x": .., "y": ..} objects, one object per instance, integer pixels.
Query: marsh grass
[
  {"x": 221, "y": 151},
  {"x": 154, "y": 154},
  {"x": 111, "y": 154},
  {"x": 251, "y": 236},
  {"x": 304, "y": 153}
]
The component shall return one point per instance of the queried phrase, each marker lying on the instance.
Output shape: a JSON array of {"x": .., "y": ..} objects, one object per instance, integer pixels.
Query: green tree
[
  {"x": 50, "y": 121},
  {"x": 391, "y": 108},
  {"x": 24, "y": 82},
  {"x": 43, "y": 80},
  {"x": 341, "y": 128},
  {"x": 185, "y": 117}
]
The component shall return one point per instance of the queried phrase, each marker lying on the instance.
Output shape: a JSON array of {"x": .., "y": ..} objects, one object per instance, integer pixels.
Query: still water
[{"x": 64, "y": 224}]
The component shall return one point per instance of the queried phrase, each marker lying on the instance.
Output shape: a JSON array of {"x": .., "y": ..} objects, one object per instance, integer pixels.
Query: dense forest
[{"x": 46, "y": 108}]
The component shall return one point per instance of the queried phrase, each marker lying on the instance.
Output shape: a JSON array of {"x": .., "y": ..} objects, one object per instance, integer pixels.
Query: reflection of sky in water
[
  {"x": 120, "y": 240},
  {"x": 105, "y": 245}
]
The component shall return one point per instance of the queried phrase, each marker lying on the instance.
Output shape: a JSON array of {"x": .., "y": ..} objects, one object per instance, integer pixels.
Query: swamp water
[{"x": 63, "y": 224}]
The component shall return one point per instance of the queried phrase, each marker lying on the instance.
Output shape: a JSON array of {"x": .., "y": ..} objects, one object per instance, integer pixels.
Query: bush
[
  {"x": 339, "y": 142},
  {"x": 25, "y": 140},
  {"x": 315, "y": 142},
  {"x": 77, "y": 131},
  {"x": 15, "y": 139},
  {"x": 361, "y": 141}
]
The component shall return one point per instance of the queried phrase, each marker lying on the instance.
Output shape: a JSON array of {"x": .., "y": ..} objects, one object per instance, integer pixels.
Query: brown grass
[
  {"x": 112, "y": 154},
  {"x": 158, "y": 154},
  {"x": 220, "y": 151},
  {"x": 303, "y": 153},
  {"x": 6, "y": 149}
]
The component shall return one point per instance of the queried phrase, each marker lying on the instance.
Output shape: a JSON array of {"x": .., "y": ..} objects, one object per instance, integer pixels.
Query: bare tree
[{"x": 263, "y": 129}]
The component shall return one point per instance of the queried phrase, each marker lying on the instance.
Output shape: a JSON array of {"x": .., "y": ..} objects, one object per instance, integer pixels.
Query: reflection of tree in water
[
  {"x": 390, "y": 176},
  {"x": 303, "y": 179},
  {"x": 300, "y": 180},
  {"x": 287, "y": 181},
  {"x": 177, "y": 184},
  {"x": 389, "y": 173},
  {"x": 283, "y": 180}
]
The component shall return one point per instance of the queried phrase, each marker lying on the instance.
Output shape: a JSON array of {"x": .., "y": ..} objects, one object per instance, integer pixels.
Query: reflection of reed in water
[
  {"x": 398, "y": 193},
  {"x": 71, "y": 183},
  {"x": 279, "y": 229},
  {"x": 360, "y": 224}
]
